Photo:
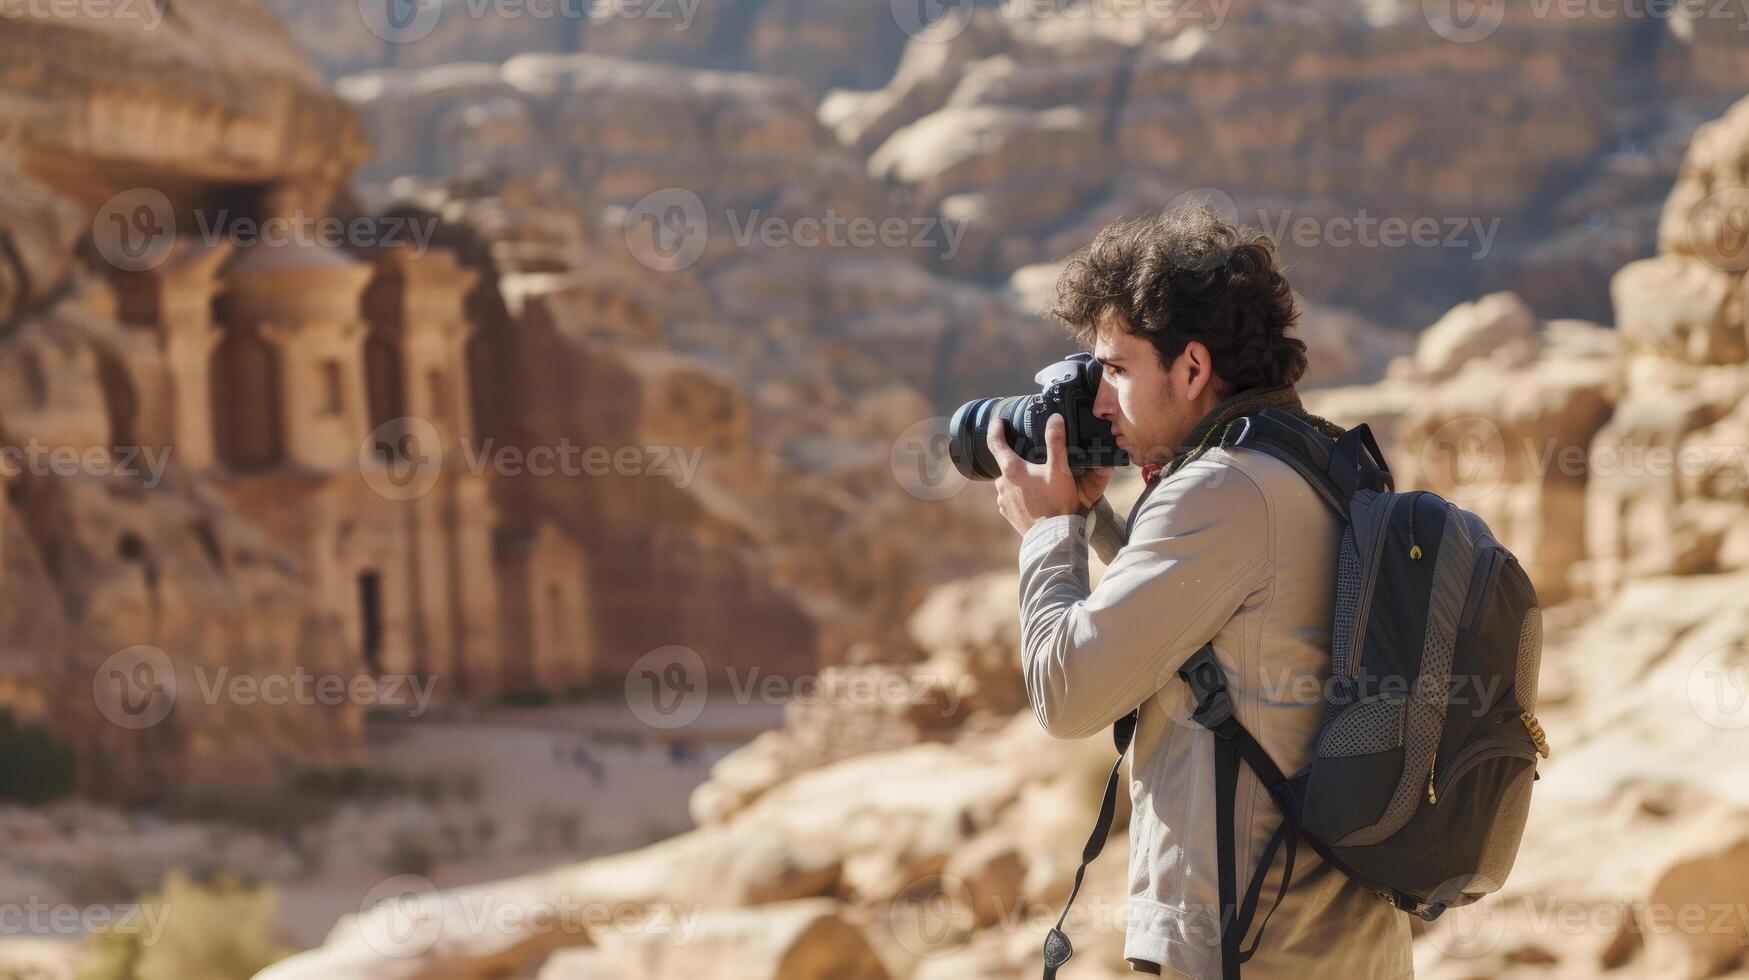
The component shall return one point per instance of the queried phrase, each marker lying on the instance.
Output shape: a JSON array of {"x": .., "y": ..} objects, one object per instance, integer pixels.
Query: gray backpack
[{"x": 1420, "y": 782}]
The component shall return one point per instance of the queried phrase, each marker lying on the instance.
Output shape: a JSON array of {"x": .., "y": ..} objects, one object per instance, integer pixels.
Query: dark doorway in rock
[{"x": 370, "y": 621}]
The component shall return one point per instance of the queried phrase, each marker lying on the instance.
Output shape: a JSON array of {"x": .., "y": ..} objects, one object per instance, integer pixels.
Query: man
[{"x": 1189, "y": 317}]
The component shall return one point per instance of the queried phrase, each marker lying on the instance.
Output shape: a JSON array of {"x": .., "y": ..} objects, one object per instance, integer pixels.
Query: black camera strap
[{"x": 1058, "y": 949}]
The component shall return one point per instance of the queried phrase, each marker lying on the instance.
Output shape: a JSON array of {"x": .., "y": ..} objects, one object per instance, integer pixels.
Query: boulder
[
  {"x": 1680, "y": 307},
  {"x": 738, "y": 864},
  {"x": 971, "y": 628},
  {"x": 1472, "y": 330},
  {"x": 802, "y": 940}
]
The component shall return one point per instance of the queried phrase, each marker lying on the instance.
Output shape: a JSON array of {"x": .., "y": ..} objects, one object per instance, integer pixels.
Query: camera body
[{"x": 1068, "y": 388}]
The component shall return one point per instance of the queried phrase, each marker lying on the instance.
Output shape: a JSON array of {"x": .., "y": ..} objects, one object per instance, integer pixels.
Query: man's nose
[{"x": 1105, "y": 402}]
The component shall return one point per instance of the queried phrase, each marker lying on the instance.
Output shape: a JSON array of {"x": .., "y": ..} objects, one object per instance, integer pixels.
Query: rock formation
[
  {"x": 1029, "y": 125},
  {"x": 479, "y": 444},
  {"x": 119, "y": 546}
]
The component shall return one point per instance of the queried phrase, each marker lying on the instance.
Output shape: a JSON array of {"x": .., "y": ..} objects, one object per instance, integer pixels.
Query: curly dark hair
[{"x": 1186, "y": 274}]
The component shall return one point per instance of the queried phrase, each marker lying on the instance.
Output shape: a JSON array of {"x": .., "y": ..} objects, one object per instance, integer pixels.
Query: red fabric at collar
[{"x": 1151, "y": 470}]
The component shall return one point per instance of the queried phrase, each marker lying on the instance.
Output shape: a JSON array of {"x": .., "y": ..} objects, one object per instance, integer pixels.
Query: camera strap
[{"x": 1058, "y": 949}]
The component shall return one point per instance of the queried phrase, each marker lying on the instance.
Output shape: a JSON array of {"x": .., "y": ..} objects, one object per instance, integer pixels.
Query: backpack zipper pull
[
  {"x": 1536, "y": 733},
  {"x": 1431, "y": 796},
  {"x": 1414, "y": 549}
]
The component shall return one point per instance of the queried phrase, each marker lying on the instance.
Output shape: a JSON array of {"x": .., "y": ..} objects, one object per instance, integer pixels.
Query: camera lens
[{"x": 968, "y": 434}]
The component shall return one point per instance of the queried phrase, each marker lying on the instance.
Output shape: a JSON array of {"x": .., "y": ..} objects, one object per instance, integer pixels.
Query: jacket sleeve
[
  {"x": 1198, "y": 549},
  {"x": 1107, "y": 535}
]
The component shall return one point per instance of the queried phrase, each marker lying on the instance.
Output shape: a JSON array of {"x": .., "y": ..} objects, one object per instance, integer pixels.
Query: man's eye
[{"x": 1113, "y": 370}]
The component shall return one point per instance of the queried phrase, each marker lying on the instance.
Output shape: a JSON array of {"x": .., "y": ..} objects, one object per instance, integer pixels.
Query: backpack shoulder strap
[
  {"x": 1233, "y": 746},
  {"x": 1335, "y": 468}
]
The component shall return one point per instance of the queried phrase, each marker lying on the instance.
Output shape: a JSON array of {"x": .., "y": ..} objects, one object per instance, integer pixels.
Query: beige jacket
[{"x": 1235, "y": 547}]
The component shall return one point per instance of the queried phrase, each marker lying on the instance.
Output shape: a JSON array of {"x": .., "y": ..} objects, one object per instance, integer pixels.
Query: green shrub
[
  {"x": 349, "y": 783},
  {"x": 275, "y": 810},
  {"x": 35, "y": 767},
  {"x": 191, "y": 931},
  {"x": 307, "y": 798},
  {"x": 410, "y": 854}
]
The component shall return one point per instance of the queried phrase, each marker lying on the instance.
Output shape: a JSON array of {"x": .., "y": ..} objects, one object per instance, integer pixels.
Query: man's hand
[{"x": 1027, "y": 493}]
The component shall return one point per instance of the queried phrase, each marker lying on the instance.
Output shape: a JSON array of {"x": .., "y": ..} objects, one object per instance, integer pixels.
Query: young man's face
[{"x": 1151, "y": 409}]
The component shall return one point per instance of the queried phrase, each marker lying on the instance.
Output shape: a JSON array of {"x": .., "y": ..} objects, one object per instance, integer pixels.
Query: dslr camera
[{"x": 1069, "y": 387}]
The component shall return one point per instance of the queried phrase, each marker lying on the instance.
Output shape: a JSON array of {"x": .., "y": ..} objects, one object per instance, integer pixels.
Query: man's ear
[{"x": 1199, "y": 370}]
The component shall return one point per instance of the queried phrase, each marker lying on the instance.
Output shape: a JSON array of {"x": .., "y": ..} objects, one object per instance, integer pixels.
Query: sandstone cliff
[
  {"x": 232, "y": 458},
  {"x": 1333, "y": 125},
  {"x": 124, "y": 549}
]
